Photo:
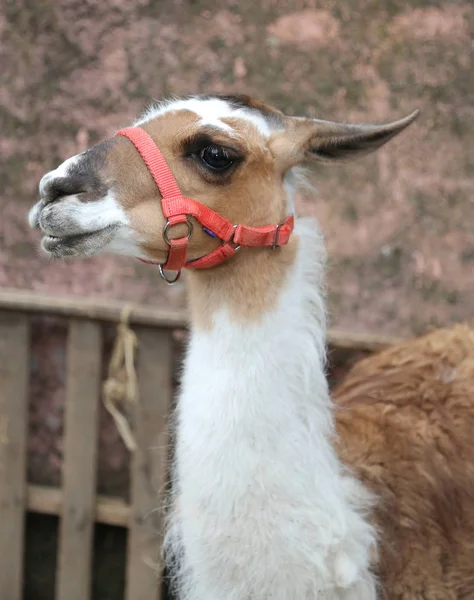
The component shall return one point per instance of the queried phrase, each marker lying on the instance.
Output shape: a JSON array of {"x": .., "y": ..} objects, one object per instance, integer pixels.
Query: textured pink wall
[{"x": 399, "y": 225}]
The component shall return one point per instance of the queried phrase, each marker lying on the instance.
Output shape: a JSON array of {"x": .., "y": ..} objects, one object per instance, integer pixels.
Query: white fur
[
  {"x": 295, "y": 178},
  {"x": 92, "y": 216},
  {"x": 264, "y": 510},
  {"x": 34, "y": 213},
  {"x": 107, "y": 212},
  {"x": 211, "y": 112},
  {"x": 72, "y": 217},
  {"x": 125, "y": 242}
]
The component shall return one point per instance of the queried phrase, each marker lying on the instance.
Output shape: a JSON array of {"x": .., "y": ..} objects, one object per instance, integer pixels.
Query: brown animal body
[{"x": 405, "y": 419}]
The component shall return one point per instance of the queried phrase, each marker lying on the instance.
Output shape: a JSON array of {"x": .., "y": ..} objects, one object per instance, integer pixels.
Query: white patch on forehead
[{"x": 211, "y": 112}]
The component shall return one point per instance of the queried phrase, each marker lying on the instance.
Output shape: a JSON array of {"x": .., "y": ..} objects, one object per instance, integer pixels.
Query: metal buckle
[
  {"x": 168, "y": 225},
  {"x": 163, "y": 276},
  {"x": 275, "y": 238},
  {"x": 231, "y": 241}
]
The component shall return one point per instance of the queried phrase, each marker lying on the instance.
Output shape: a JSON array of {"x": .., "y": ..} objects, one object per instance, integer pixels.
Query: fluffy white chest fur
[{"x": 264, "y": 510}]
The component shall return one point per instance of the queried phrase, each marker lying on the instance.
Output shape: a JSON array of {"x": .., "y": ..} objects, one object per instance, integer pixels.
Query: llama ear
[{"x": 309, "y": 140}]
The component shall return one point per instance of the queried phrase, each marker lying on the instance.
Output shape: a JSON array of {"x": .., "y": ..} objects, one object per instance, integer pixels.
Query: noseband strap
[{"x": 178, "y": 209}]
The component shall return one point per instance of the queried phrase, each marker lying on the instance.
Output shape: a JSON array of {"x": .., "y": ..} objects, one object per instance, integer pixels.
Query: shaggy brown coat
[{"x": 405, "y": 419}]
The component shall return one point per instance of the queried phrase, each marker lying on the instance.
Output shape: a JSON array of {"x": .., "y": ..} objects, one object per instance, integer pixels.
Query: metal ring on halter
[
  {"x": 237, "y": 248},
  {"x": 163, "y": 276},
  {"x": 275, "y": 239},
  {"x": 168, "y": 225}
]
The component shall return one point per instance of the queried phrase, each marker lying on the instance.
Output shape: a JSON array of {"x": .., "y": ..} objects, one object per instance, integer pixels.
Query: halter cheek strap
[{"x": 178, "y": 209}]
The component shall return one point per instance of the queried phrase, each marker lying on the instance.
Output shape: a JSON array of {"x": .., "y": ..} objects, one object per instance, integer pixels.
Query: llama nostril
[{"x": 55, "y": 189}]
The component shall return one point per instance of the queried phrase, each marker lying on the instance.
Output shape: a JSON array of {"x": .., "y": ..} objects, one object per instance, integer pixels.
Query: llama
[{"x": 269, "y": 501}]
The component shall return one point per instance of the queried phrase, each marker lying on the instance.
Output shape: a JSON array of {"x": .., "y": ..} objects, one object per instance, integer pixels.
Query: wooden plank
[
  {"x": 14, "y": 371},
  {"x": 49, "y": 501},
  {"x": 346, "y": 340},
  {"x": 80, "y": 454},
  {"x": 85, "y": 308},
  {"x": 149, "y": 465}
]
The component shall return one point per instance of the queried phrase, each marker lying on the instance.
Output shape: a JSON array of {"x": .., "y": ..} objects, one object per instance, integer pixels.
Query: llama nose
[
  {"x": 43, "y": 182},
  {"x": 54, "y": 188}
]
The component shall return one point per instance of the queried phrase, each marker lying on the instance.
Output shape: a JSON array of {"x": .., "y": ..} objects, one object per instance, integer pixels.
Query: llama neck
[
  {"x": 254, "y": 376},
  {"x": 257, "y": 477}
]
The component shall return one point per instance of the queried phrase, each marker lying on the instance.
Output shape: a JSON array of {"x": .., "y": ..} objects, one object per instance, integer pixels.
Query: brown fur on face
[
  {"x": 251, "y": 194},
  {"x": 405, "y": 420},
  {"x": 264, "y": 144}
]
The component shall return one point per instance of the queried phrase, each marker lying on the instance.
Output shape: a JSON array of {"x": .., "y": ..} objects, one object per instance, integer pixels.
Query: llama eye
[{"x": 216, "y": 158}]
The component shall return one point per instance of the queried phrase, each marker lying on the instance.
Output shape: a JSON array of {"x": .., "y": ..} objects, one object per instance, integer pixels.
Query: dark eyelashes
[{"x": 195, "y": 145}]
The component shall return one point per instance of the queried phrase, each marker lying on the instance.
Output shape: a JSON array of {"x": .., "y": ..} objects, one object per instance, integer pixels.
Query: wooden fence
[{"x": 76, "y": 503}]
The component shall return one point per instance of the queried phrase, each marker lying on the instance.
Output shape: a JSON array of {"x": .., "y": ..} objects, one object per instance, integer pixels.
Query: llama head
[{"x": 232, "y": 154}]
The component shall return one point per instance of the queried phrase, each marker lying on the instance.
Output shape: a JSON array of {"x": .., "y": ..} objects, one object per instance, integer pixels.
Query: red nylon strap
[
  {"x": 177, "y": 208},
  {"x": 264, "y": 236},
  {"x": 154, "y": 160}
]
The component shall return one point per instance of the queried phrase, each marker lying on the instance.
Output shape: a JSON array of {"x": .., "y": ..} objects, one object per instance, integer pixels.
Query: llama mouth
[{"x": 80, "y": 245}]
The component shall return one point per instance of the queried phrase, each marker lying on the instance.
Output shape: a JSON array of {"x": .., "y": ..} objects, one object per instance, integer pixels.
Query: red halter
[{"x": 177, "y": 209}]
